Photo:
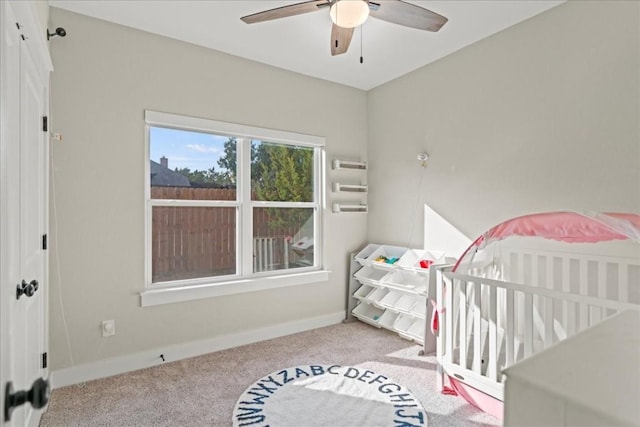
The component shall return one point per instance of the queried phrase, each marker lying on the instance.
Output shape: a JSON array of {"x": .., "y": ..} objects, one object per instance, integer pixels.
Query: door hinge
[
  {"x": 44, "y": 360},
  {"x": 44, "y": 242},
  {"x": 45, "y": 125}
]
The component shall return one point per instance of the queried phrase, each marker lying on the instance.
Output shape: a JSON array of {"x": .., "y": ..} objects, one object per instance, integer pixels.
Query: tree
[
  {"x": 283, "y": 173},
  {"x": 209, "y": 177},
  {"x": 230, "y": 158},
  {"x": 278, "y": 173},
  {"x": 228, "y": 162}
]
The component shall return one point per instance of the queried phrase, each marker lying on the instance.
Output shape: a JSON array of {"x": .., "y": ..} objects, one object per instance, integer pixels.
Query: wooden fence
[
  {"x": 193, "y": 193},
  {"x": 190, "y": 242}
]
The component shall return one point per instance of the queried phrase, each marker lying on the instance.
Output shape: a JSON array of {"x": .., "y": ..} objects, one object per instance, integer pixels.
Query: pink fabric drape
[{"x": 570, "y": 227}]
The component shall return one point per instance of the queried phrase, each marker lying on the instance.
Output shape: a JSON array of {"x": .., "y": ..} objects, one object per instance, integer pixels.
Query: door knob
[
  {"x": 27, "y": 289},
  {"x": 38, "y": 396}
]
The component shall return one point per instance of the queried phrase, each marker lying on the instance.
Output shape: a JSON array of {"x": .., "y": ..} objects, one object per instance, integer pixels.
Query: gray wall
[
  {"x": 542, "y": 116},
  {"x": 105, "y": 77}
]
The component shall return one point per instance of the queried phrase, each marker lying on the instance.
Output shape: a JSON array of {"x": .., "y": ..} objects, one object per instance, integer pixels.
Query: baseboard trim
[{"x": 119, "y": 365}]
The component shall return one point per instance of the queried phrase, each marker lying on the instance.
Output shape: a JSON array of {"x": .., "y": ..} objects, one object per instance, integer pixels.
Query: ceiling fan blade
[
  {"x": 340, "y": 39},
  {"x": 285, "y": 11},
  {"x": 406, "y": 14}
]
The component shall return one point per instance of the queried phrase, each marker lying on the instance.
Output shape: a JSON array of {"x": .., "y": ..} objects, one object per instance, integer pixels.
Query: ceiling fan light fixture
[{"x": 349, "y": 13}]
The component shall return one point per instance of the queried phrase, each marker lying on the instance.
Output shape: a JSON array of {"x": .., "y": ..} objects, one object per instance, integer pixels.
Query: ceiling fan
[{"x": 348, "y": 14}]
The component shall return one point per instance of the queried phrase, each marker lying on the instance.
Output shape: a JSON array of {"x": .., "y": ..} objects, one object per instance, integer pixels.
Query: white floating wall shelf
[
  {"x": 354, "y": 188},
  {"x": 338, "y": 208},
  {"x": 346, "y": 164}
]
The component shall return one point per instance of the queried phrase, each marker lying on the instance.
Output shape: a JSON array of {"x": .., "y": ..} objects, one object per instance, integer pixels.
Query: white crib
[{"x": 513, "y": 301}]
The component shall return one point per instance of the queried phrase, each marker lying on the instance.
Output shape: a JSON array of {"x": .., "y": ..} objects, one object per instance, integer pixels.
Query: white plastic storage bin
[
  {"x": 362, "y": 256},
  {"x": 369, "y": 276},
  {"x": 391, "y": 254},
  {"x": 406, "y": 303},
  {"x": 368, "y": 313},
  {"x": 402, "y": 324},
  {"x": 363, "y": 292},
  {"x": 416, "y": 330},
  {"x": 412, "y": 260},
  {"x": 406, "y": 281},
  {"x": 390, "y": 299},
  {"x": 411, "y": 257},
  {"x": 387, "y": 319},
  {"x": 419, "y": 309},
  {"x": 377, "y": 295}
]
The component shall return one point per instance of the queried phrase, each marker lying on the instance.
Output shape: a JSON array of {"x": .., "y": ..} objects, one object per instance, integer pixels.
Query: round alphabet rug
[{"x": 327, "y": 396}]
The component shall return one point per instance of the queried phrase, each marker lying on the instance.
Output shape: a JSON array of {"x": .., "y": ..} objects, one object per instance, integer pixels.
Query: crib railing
[{"x": 488, "y": 325}]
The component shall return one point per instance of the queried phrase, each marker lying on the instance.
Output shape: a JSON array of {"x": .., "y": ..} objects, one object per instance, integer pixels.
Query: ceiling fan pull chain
[
  {"x": 361, "y": 57},
  {"x": 336, "y": 20}
]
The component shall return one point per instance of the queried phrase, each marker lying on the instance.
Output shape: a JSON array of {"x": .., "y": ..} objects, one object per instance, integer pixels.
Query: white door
[{"x": 23, "y": 265}]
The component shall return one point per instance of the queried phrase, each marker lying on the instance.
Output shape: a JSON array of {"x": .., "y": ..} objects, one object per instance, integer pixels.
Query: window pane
[
  {"x": 282, "y": 238},
  {"x": 191, "y": 165},
  {"x": 280, "y": 172},
  {"x": 192, "y": 242}
]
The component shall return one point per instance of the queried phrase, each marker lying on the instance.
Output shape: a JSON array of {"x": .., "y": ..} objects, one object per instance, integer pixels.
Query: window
[{"x": 229, "y": 202}]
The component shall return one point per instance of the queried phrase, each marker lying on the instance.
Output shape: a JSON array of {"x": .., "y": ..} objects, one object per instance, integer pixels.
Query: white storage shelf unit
[{"x": 393, "y": 288}]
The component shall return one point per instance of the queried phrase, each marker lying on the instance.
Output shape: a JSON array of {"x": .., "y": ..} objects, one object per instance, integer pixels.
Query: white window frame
[{"x": 245, "y": 280}]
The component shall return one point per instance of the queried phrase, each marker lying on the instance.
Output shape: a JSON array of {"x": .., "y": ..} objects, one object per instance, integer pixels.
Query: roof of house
[{"x": 165, "y": 177}]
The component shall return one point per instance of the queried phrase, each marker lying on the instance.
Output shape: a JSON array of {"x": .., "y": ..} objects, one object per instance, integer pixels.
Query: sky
[{"x": 184, "y": 149}]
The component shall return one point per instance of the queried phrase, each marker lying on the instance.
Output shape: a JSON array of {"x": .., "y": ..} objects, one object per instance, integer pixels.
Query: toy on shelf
[
  {"x": 425, "y": 263},
  {"x": 386, "y": 260}
]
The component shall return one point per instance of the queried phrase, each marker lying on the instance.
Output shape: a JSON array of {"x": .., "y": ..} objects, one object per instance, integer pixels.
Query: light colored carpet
[{"x": 202, "y": 391}]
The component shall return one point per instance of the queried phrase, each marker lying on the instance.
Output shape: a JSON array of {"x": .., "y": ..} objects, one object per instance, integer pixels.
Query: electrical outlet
[{"x": 108, "y": 328}]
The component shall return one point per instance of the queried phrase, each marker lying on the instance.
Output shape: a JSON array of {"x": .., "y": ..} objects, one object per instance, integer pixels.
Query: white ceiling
[{"x": 301, "y": 43}]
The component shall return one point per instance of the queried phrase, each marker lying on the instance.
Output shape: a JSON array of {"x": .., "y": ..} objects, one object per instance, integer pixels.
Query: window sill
[{"x": 150, "y": 297}]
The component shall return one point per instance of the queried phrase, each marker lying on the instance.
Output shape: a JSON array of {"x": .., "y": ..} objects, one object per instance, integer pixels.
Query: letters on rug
[{"x": 327, "y": 396}]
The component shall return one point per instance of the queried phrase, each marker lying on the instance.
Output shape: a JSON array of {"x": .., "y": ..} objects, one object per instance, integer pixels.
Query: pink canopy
[{"x": 570, "y": 227}]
